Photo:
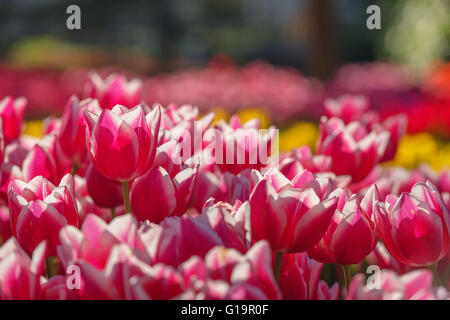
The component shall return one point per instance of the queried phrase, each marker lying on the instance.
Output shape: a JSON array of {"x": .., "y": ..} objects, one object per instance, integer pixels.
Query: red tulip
[
  {"x": 415, "y": 227},
  {"x": 122, "y": 142},
  {"x": 114, "y": 90},
  {"x": 106, "y": 193},
  {"x": 11, "y": 114}
]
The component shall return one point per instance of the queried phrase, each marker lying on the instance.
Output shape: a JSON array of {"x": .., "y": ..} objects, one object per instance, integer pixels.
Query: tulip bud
[
  {"x": 156, "y": 195},
  {"x": 11, "y": 114},
  {"x": 106, "y": 193},
  {"x": 72, "y": 132}
]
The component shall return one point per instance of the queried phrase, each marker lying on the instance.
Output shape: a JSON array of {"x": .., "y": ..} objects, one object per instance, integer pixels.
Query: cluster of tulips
[{"x": 105, "y": 206}]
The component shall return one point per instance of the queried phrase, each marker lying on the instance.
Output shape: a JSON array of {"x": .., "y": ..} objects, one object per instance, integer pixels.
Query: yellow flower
[
  {"x": 299, "y": 134},
  {"x": 34, "y": 128},
  {"x": 252, "y": 113}
]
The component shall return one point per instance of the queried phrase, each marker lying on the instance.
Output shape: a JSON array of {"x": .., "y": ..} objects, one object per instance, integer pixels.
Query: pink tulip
[
  {"x": 208, "y": 185},
  {"x": 300, "y": 280},
  {"x": 302, "y": 158},
  {"x": 351, "y": 234},
  {"x": 95, "y": 240},
  {"x": 348, "y": 108},
  {"x": 72, "y": 132},
  {"x": 5, "y": 225},
  {"x": 2, "y": 143},
  {"x": 396, "y": 126},
  {"x": 20, "y": 274},
  {"x": 382, "y": 258},
  {"x": 238, "y": 186},
  {"x": 176, "y": 239},
  {"x": 104, "y": 192},
  {"x": 114, "y": 90},
  {"x": 8, "y": 172},
  {"x": 122, "y": 142},
  {"x": 291, "y": 220},
  {"x": 238, "y": 147},
  {"x": 415, "y": 227},
  {"x": 354, "y": 151},
  {"x": 415, "y": 285},
  {"x": 169, "y": 196},
  {"x": 173, "y": 115},
  {"x": 11, "y": 114},
  {"x": 46, "y": 159},
  {"x": 39, "y": 210},
  {"x": 231, "y": 223}
]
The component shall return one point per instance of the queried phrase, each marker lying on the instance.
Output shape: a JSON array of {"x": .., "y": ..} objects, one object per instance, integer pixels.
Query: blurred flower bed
[{"x": 274, "y": 95}]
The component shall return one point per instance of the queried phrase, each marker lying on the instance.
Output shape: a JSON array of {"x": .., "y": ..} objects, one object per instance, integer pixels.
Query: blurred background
[{"x": 276, "y": 60}]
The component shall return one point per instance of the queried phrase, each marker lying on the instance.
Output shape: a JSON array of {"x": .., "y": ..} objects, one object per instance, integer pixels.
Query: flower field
[{"x": 225, "y": 183}]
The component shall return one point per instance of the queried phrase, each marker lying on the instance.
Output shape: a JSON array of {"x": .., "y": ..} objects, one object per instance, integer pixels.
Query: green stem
[
  {"x": 113, "y": 212},
  {"x": 347, "y": 275},
  {"x": 74, "y": 169},
  {"x": 126, "y": 196},
  {"x": 51, "y": 267},
  {"x": 437, "y": 280},
  {"x": 277, "y": 266}
]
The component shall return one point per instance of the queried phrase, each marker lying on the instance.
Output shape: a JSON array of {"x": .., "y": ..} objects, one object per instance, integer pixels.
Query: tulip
[
  {"x": 300, "y": 280},
  {"x": 415, "y": 227},
  {"x": 5, "y": 224},
  {"x": 39, "y": 210},
  {"x": 86, "y": 204},
  {"x": 168, "y": 196},
  {"x": 415, "y": 285},
  {"x": 354, "y": 151},
  {"x": 291, "y": 220},
  {"x": 240, "y": 147},
  {"x": 72, "y": 132},
  {"x": 114, "y": 90},
  {"x": 396, "y": 126},
  {"x": 351, "y": 235},
  {"x": 303, "y": 158},
  {"x": 20, "y": 274},
  {"x": 8, "y": 172},
  {"x": 2, "y": 143},
  {"x": 94, "y": 241},
  {"x": 176, "y": 239},
  {"x": 11, "y": 114},
  {"x": 122, "y": 143},
  {"x": 348, "y": 108},
  {"x": 104, "y": 192}
]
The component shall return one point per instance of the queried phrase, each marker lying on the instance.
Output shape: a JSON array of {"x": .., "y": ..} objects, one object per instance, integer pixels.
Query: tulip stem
[
  {"x": 74, "y": 169},
  {"x": 437, "y": 280},
  {"x": 51, "y": 267},
  {"x": 277, "y": 266},
  {"x": 113, "y": 212},
  {"x": 126, "y": 196},
  {"x": 347, "y": 275}
]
